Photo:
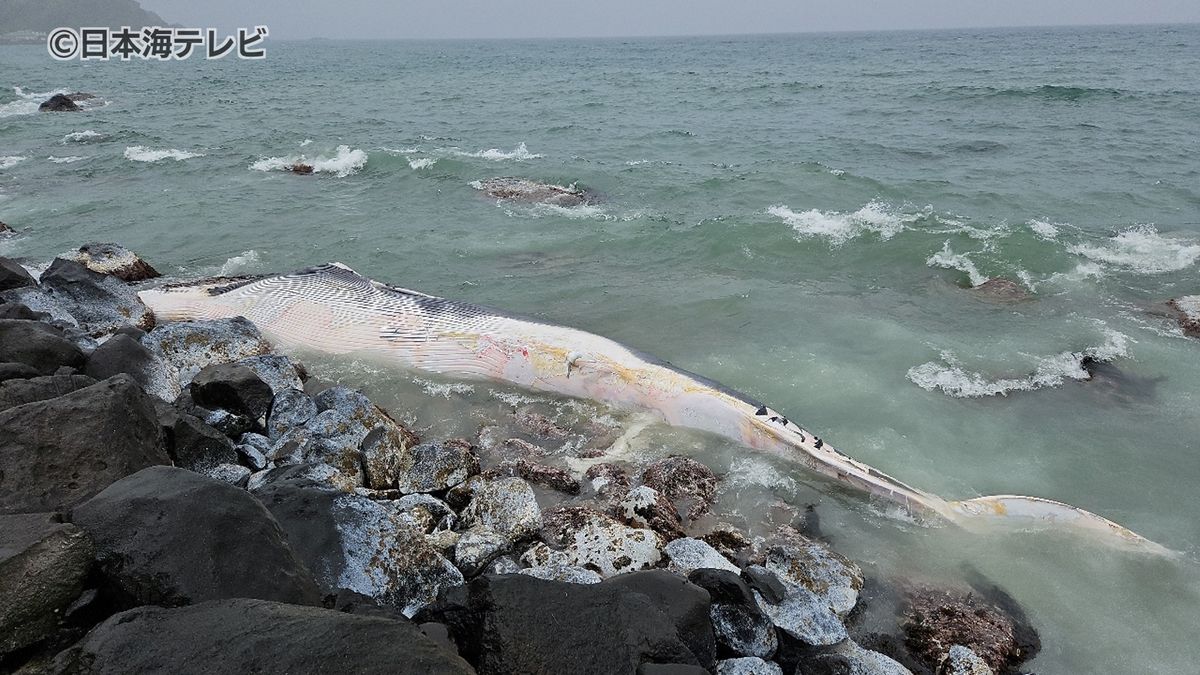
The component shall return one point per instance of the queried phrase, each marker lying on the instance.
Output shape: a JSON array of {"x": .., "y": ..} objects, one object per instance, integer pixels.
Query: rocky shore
[{"x": 177, "y": 497}]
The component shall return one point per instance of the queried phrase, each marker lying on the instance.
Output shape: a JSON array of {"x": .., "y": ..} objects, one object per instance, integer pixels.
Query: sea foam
[
  {"x": 418, "y": 163},
  {"x": 839, "y": 227},
  {"x": 1044, "y": 229},
  {"x": 345, "y": 161},
  {"x": 239, "y": 264},
  {"x": 27, "y": 102},
  {"x": 949, "y": 377},
  {"x": 85, "y": 136},
  {"x": 65, "y": 160},
  {"x": 10, "y": 161},
  {"x": 948, "y": 259},
  {"x": 519, "y": 153},
  {"x": 1143, "y": 250},
  {"x": 140, "y": 153}
]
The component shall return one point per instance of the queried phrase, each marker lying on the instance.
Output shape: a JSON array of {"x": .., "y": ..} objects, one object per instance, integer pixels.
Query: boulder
[
  {"x": 686, "y": 604},
  {"x": 608, "y": 481},
  {"x": 255, "y": 636},
  {"x": 963, "y": 661},
  {"x": 936, "y": 619},
  {"x": 521, "y": 624},
  {"x": 198, "y": 447},
  {"x": 38, "y": 345},
  {"x": 740, "y": 626},
  {"x": 171, "y": 537},
  {"x": 600, "y": 542},
  {"x": 560, "y": 571},
  {"x": 43, "y": 566},
  {"x": 801, "y": 562},
  {"x": 234, "y": 474},
  {"x": 427, "y": 511},
  {"x": 58, "y": 103},
  {"x": 1001, "y": 289},
  {"x": 13, "y": 275},
  {"x": 16, "y": 371},
  {"x": 748, "y": 665},
  {"x": 385, "y": 452},
  {"x": 11, "y": 309},
  {"x": 19, "y": 392},
  {"x": 1187, "y": 310},
  {"x": 538, "y": 474},
  {"x": 506, "y": 506},
  {"x": 5, "y": 228},
  {"x": 851, "y": 658},
  {"x": 435, "y": 466},
  {"x": 476, "y": 548},
  {"x": 301, "y": 169},
  {"x": 290, "y": 408},
  {"x": 232, "y": 387},
  {"x": 39, "y": 303},
  {"x": 354, "y": 543},
  {"x": 126, "y": 354},
  {"x": 331, "y": 438},
  {"x": 61, "y": 451},
  {"x": 688, "y": 484},
  {"x": 114, "y": 260},
  {"x": 687, "y": 555},
  {"x": 253, "y": 449},
  {"x": 101, "y": 304},
  {"x": 277, "y": 370},
  {"x": 644, "y": 506},
  {"x": 533, "y": 192},
  {"x": 187, "y": 347}
]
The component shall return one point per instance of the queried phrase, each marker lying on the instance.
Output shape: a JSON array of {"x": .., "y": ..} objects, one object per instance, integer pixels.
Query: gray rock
[
  {"x": 21, "y": 391},
  {"x": 114, "y": 260},
  {"x": 186, "y": 347},
  {"x": 430, "y": 467},
  {"x": 506, "y": 506},
  {"x": 290, "y": 408},
  {"x": 169, "y": 536},
  {"x": 232, "y": 387},
  {"x": 254, "y": 636},
  {"x": 600, "y": 542},
  {"x": 386, "y": 451},
  {"x": 13, "y": 275},
  {"x": 476, "y": 548},
  {"x": 43, "y": 568},
  {"x": 506, "y": 565},
  {"x": 331, "y": 438},
  {"x": 963, "y": 661},
  {"x": 738, "y": 622},
  {"x": 748, "y": 665},
  {"x": 804, "y": 616},
  {"x": 689, "y": 554},
  {"x": 234, "y": 474},
  {"x": 799, "y": 561},
  {"x": 126, "y": 354},
  {"x": 427, "y": 511},
  {"x": 101, "y": 304},
  {"x": 643, "y": 506},
  {"x": 276, "y": 370},
  {"x": 36, "y": 300},
  {"x": 198, "y": 447},
  {"x": 850, "y": 658},
  {"x": 38, "y": 345}
]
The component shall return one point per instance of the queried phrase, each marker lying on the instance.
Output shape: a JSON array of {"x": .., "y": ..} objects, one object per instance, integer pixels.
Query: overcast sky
[{"x": 575, "y": 18}]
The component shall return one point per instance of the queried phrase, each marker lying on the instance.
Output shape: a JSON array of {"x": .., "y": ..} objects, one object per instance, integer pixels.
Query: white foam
[
  {"x": 140, "y": 153},
  {"x": 239, "y": 264},
  {"x": 65, "y": 160},
  {"x": 305, "y": 142},
  {"x": 1044, "y": 229},
  {"x": 952, "y": 379},
  {"x": 948, "y": 259},
  {"x": 1142, "y": 249},
  {"x": 10, "y": 161},
  {"x": 344, "y": 162},
  {"x": 420, "y": 162},
  {"x": 81, "y": 136},
  {"x": 840, "y": 227},
  {"x": 446, "y": 390},
  {"x": 519, "y": 153},
  {"x": 751, "y": 471},
  {"x": 27, "y": 102},
  {"x": 838, "y": 172},
  {"x": 637, "y": 162}
]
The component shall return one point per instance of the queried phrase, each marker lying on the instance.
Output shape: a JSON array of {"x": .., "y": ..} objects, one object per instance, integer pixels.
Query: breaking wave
[
  {"x": 244, "y": 262},
  {"x": 10, "y": 161},
  {"x": 519, "y": 153},
  {"x": 1044, "y": 229},
  {"x": 344, "y": 162},
  {"x": 27, "y": 103},
  {"x": 65, "y": 160},
  {"x": 948, "y": 259},
  {"x": 949, "y": 377},
  {"x": 1142, "y": 249},
  {"x": 839, "y": 227},
  {"x": 140, "y": 153},
  {"x": 85, "y": 136},
  {"x": 420, "y": 162}
]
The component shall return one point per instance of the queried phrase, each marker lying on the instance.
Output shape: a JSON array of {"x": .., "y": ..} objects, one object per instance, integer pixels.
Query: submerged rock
[
  {"x": 246, "y": 636},
  {"x": 533, "y": 192},
  {"x": 600, "y": 542},
  {"x": 301, "y": 169},
  {"x": 1188, "y": 309},
  {"x": 538, "y": 474},
  {"x": 609, "y": 481},
  {"x": 115, "y": 260},
  {"x": 187, "y": 347},
  {"x": 963, "y": 661},
  {"x": 101, "y": 304},
  {"x": 1000, "y": 288},
  {"x": 58, "y": 103},
  {"x": 936, "y": 619},
  {"x": 690, "y": 485}
]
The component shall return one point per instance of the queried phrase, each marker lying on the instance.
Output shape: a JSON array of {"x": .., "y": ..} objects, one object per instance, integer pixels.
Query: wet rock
[
  {"x": 740, "y": 626},
  {"x": 506, "y": 506},
  {"x": 748, "y": 665},
  {"x": 434, "y": 466},
  {"x": 301, "y": 169},
  {"x": 37, "y": 345},
  {"x": 688, "y": 554},
  {"x": 539, "y": 424},
  {"x": 690, "y": 485},
  {"x": 278, "y": 371},
  {"x": 232, "y": 387},
  {"x": 43, "y": 567},
  {"x": 609, "y": 481},
  {"x": 999, "y": 288},
  {"x": 645, "y": 507},
  {"x": 686, "y": 604},
  {"x": 16, "y": 371},
  {"x": 169, "y": 536},
  {"x": 1188, "y": 312},
  {"x": 533, "y": 192},
  {"x": 59, "y": 452},
  {"x": 801, "y": 562},
  {"x": 114, "y": 260},
  {"x": 936, "y": 619},
  {"x": 101, "y": 304},
  {"x": 538, "y": 474},
  {"x": 351, "y": 542},
  {"x": 963, "y": 661},
  {"x": 600, "y": 542},
  {"x": 13, "y": 275},
  {"x": 19, "y": 392},
  {"x": 478, "y": 547},
  {"x": 58, "y": 103},
  {"x": 520, "y": 624},
  {"x": 187, "y": 347},
  {"x": 198, "y": 447},
  {"x": 729, "y": 542},
  {"x": 234, "y": 474},
  {"x": 125, "y": 354},
  {"x": 244, "y": 636},
  {"x": 289, "y": 409},
  {"x": 561, "y": 571},
  {"x": 5, "y": 228}
]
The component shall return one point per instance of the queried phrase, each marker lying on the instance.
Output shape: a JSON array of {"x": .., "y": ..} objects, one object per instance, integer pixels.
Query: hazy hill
[{"x": 45, "y": 15}]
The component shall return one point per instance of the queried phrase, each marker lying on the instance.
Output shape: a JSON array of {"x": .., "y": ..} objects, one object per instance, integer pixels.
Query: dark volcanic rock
[
  {"x": 999, "y": 288},
  {"x": 58, "y": 103},
  {"x": 12, "y": 275},
  {"x": 741, "y": 627},
  {"x": 59, "y": 452},
  {"x": 690, "y": 485},
  {"x": 115, "y": 260},
  {"x": 532, "y": 192},
  {"x": 1187, "y": 310},
  {"x": 126, "y": 354},
  {"x": 255, "y": 636},
  {"x": 19, "y": 392},
  {"x": 351, "y": 542},
  {"x": 197, "y": 446},
  {"x": 39, "y": 345},
  {"x": 16, "y": 371},
  {"x": 301, "y": 169},
  {"x": 186, "y": 347},
  {"x": 538, "y": 474},
  {"x": 936, "y": 619},
  {"x": 232, "y": 387},
  {"x": 172, "y": 537},
  {"x": 101, "y": 304},
  {"x": 17, "y": 310},
  {"x": 43, "y": 565},
  {"x": 686, "y": 604},
  {"x": 519, "y": 624}
]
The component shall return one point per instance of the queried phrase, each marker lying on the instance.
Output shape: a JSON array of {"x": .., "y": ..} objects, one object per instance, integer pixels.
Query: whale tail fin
[{"x": 1035, "y": 511}]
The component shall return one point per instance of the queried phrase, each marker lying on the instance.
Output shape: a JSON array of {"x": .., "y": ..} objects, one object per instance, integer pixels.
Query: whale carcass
[{"x": 331, "y": 308}]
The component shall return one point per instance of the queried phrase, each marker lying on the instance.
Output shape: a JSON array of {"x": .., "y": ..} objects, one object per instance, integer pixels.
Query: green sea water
[{"x": 798, "y": 217}]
